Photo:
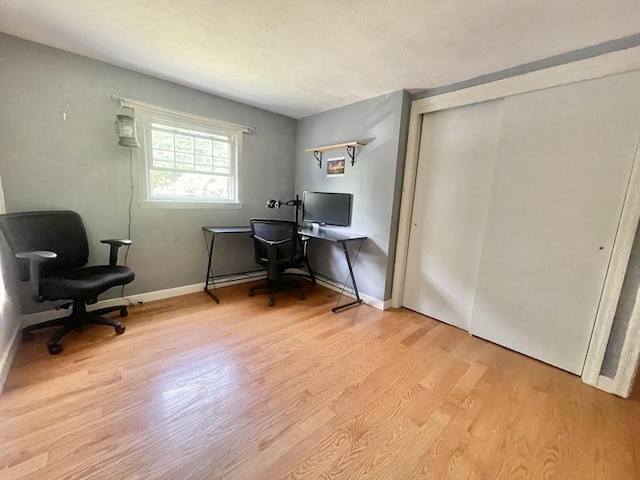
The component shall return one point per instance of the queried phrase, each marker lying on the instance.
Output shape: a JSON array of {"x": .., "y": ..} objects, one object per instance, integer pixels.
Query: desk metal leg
[
  {"x": 313, "y": 277},
  {"x": 210, "y": 272},
  {"x": 304, "y": 242},
  {"x": 358, "y": 300}
]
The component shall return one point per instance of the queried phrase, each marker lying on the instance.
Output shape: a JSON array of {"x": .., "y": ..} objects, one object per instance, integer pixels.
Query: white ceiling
[{"x": 303, "y": 57}]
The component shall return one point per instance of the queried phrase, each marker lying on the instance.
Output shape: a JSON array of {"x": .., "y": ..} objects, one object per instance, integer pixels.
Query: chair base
[
  {"x": 275, "y": 286},
  {"x": 79, "y": 316}
]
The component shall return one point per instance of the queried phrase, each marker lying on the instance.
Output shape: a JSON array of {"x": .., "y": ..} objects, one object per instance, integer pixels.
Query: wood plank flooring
[{"x": 196, "y": 390}]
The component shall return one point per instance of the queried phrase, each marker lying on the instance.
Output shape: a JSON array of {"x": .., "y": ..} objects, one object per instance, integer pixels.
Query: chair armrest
[
  {"x": 115, "y": 245},
  {"x": 36, "y": 258}
]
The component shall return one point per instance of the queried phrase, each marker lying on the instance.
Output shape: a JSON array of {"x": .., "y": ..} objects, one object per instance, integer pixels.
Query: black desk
[
  {"x": 318, "y": 233},
  {"x": 341, "y": 238},
  {"x": 210, "y": 277}
]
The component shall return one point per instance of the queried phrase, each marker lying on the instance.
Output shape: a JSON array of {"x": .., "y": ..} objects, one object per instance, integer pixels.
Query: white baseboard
[
  {"x": 33, "y": 318},
  {"x": 386, "y": 305},
  {"x": 7, "y": 358},
  {"x": 161, "y": 294},
  {"x": 348, "y": 292}
]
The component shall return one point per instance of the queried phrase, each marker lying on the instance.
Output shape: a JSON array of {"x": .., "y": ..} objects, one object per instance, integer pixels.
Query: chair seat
[
  {"x": 284, "y": 263},
  {"x": 84, "y": 283}
]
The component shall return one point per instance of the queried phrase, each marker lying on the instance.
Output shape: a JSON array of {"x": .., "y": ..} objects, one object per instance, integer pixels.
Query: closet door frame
[{"x": 597, "y": 67}]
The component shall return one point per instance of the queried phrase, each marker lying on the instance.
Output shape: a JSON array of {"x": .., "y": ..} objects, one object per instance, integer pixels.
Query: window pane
[
  {"x": 221, "y": 162},
  {"x": 204, "y": 163},
  {"x": 178, "y": 184},
  {"x": 184, "y": 161},
  {"x": 203, "y": 147},
  {"x": 171, "y": 130},
  {"x": 187, "y": 164},
  {"x": 161, "y": 140},
  {"x": 184, "y": 144},
  {"x": 221, "y": 165},
  {"x": 163, "y": 164},
  {"x": 163, "y": 159},
  {"x": 221, "y": 149}
]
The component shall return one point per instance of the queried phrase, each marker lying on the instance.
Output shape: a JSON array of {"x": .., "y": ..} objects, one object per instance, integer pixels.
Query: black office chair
[
  {"x": 277, "y": 247},
  {"x": 52, "y": 250}
]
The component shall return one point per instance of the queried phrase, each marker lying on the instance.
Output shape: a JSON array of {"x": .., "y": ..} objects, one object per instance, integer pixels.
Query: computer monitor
[{"x": 327, "y": 208}]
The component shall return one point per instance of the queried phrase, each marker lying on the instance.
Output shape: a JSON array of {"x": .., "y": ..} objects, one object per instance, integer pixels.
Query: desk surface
[
  {"x": 319, "y": 233},
  {"x": 227, "y": 229},
  {"x": 330, "y": 235}
]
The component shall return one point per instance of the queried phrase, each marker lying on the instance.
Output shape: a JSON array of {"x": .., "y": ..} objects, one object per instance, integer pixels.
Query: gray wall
[
  {"x": 374, "y": 181},
  {"x": 47, "y": 162}
]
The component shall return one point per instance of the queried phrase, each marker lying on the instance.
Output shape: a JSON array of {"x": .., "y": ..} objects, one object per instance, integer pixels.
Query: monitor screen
[{"x": 327, "y": 208}]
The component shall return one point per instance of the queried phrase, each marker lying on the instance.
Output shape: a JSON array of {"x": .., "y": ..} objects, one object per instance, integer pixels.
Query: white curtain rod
[{"x": 127, "y": 102}]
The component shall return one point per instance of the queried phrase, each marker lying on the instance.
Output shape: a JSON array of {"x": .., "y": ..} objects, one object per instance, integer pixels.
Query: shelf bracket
[
  {"x": 351, "y": 151},
  {"x": 351, "y": 146}
]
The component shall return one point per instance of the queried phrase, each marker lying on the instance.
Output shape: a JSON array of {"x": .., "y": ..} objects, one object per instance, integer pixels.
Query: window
[{"x": 190, "y": 161}]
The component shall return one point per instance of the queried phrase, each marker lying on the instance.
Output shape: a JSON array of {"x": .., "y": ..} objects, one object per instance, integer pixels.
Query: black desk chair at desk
[
  {"x": 277, "y": 247},
  {"x": 52, "y": 250}
]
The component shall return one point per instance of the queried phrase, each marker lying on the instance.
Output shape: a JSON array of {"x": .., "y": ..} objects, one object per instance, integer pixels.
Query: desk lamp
[{"x": 297, "y": 203}]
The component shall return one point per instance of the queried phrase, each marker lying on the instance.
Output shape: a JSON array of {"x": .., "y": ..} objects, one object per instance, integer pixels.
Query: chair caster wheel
[
  {"x": 124, "y": 312},
  {"x": 120, "y": 329},
  {"x": 54, "y": 349},
  {"x": 27, "y": 336},
  {"x": 272, "y": 302},
  {"x": 251, "y": 293}
]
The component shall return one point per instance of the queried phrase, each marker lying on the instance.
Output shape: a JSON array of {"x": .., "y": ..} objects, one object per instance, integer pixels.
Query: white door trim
[
  {"x": 3, "y": 208},
  {"x": 597, "y": 67},
  {"x": 406, "y": 205},
  {"x": 611, "y": 293},
  {"x": 630, "y": 357}
]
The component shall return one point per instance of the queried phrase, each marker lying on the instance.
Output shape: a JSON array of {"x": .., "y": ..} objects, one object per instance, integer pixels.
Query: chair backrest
[
  {"x": 275, "y": 231},
  {"x": 61, "y": 232}
]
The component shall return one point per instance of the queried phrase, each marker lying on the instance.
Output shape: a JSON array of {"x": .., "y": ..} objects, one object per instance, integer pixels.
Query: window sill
[{"x": 191, "y": 205}]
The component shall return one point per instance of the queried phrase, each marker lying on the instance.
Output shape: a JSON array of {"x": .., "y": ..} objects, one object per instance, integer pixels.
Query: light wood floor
[{"x": 243, "y": 391}]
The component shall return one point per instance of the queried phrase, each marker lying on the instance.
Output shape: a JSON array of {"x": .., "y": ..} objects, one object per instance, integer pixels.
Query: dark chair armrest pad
[
  {"x": 118, "y": 242},
  {"x": 35, "y": 259},
  {"x": 38, "y": 255},
  {"x": 115, "y": 245}
]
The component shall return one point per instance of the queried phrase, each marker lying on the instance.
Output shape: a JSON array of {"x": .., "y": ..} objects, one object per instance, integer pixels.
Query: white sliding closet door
[
  {"x": 453, "y": 187},
  {"x": 564, "y": 163}
]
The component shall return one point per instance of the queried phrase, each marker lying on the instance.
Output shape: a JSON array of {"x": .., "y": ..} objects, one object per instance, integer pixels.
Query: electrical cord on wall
[{"x": 126, "y": 255}]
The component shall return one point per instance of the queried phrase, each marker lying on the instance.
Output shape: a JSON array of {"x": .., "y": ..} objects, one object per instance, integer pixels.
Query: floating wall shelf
[{"x": 351, "y": 150}]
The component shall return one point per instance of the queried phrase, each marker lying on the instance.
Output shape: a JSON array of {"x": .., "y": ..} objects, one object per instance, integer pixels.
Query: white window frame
[{"x": 145, "y": 114}]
